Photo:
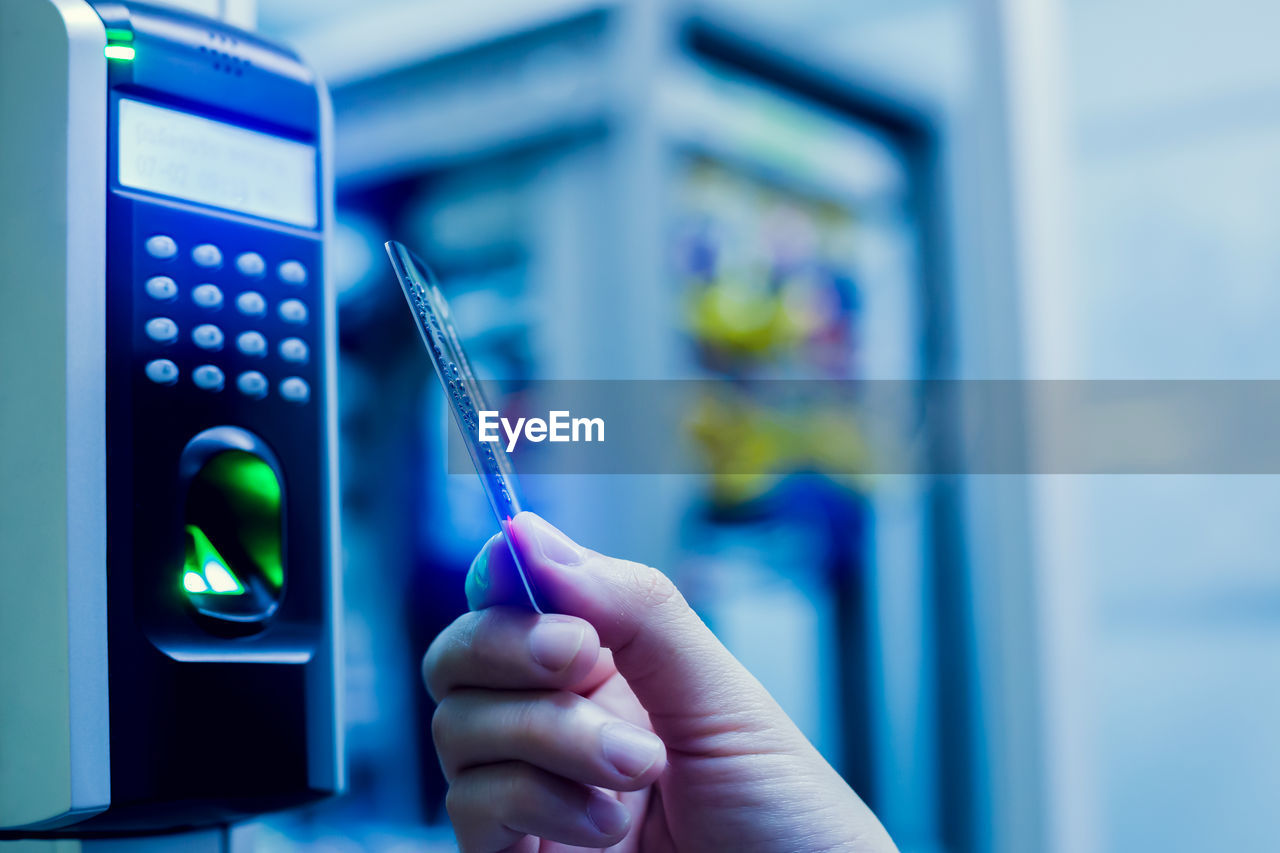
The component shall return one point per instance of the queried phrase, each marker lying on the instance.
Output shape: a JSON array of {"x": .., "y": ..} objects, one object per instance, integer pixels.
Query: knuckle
[
  {"x": 492, "y": 793},
  {"x": 439, "y": 728},
  {"x": 568, "y": 716},
  {"x": 462, "y": 805},
  {"x": 522, "y": 717},
  {"x": 477, "y": 793},
  {"x": 650, "y": 586},
  {"x": 525, "y": 719},
  {"x": 445, "y": 650},
  {"x": 477, "y": 803},
  {"x": 443, "y": 723},
  {"x": 575, "y": 728},
  {"x": 430, "y": 667},
  {"x": 559, "y": 723},
  {"x": 486, "y": 630},
  {"x": 464, "y": 628},
  {"x": 431, "y": 658},
  {"x": 516, "y": 790}
]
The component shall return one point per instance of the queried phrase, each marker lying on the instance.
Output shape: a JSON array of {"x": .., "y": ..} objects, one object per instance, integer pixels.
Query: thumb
[{"x": 682, "y": 675}]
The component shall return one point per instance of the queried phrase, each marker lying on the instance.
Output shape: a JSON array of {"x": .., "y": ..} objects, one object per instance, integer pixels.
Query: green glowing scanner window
[{"x": 234, "y": 564}]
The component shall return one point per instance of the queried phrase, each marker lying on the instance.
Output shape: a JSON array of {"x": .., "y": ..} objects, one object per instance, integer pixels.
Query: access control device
[{"x": 168, "y": 624}]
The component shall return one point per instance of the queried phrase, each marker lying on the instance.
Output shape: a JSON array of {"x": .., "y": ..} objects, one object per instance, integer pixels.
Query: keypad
[
  {"x": 293, "y": 311},
  {"x": 162, "y": 287},
  {"x": 252, "y": 383},
  {"x": 294, "y": 350},
  {"x": 295, "y": 389},
  {"x": 251, "y": 264},
  {"x": 207, "y": 255},
  {"x": 208, "y": 377},
  {"x": 207, "y": 296},
  {"x": 161, "y": 246},
  {"x": 251, "y": 304},
  {"x": 162, "y": 330},
  {"x": 162, "y": 371},
  {"x": 292, "y": 272},
  {"x": 252, "y": 344},
  {"x": 207, "y": 336},
  {"x": 267, "y": 324}
]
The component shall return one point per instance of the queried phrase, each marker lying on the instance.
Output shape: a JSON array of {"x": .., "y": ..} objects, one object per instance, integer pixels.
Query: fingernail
[
  {"x": 555, "y": 643},
  {"x": 553, "y": 544},
  {"x": 607, "y": 814},
  {"x": 630, "y": 750},
  {"x": 478, "y": 576}
]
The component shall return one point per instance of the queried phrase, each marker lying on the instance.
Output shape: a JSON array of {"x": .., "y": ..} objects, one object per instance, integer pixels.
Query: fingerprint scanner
[{"x": 233, "y": 568}]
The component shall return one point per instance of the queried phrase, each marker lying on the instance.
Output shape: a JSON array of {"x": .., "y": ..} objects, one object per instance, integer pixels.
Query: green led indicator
[
  {"x": 204, "y": 570},
  {"x": 220, "y": 578},
  {"x": 114, "y": 34},
  {"x": 119, "y": 51}
]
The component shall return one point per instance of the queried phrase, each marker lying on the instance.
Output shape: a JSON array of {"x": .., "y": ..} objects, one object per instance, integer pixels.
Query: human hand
[{"x": 618, "y": 720}]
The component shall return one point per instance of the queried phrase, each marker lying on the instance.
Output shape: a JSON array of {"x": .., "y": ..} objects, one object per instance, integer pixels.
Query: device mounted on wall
[{"x": 169, "y": 498}]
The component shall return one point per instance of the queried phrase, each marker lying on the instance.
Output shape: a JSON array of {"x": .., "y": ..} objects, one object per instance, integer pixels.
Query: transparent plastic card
[{"x": 431, "y": 313}]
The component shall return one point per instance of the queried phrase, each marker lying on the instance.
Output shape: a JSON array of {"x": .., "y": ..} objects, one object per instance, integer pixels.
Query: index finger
[
  {"x": 510, "y": 648},
  {"x": 493, "y": 577}
]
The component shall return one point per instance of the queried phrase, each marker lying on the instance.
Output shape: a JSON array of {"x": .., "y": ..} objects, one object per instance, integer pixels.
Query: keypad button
[
  {"x": 207, "y": 296},
  {"x": 161, "y": 287},
  {"x": 293, "y": 311},
  {"x": 251, "y": 264},
  {"x": 295, "y": 390},
  {"x": 161, "y": 246},
  {"x": 252, "y": 343},
  {"x": 294, "y": 349},
  {"x": 162, "y": 371},
  {"x": 252, "y": 384},
  {"x": 162, "y": 330},
  {"x": 207, "y": 336},
  {"x": 208, "y": 377},
  {"x": 207, "y": 255},
  {"x": 292, "y": 272},
  {"x": 251, "y": 304}
]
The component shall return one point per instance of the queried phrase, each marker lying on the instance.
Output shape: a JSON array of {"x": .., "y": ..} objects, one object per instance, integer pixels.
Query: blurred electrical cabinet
[{"x": 632, "y": 192}]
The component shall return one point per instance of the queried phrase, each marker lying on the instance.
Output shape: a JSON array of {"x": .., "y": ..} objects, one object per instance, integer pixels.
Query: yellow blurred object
[
  {"x": 741, "y": 446},
  {"x": 749, "y": 446},
  {"x": 834, "y": 443},
  {"x": 742, "y": 320}
]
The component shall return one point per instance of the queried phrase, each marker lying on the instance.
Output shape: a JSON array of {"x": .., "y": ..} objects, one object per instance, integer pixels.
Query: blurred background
[{"x": 850, "y": 189}]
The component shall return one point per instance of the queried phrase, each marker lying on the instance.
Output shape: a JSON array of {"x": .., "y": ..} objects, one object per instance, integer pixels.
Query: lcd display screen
[{"x": 210, "y": 162}]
